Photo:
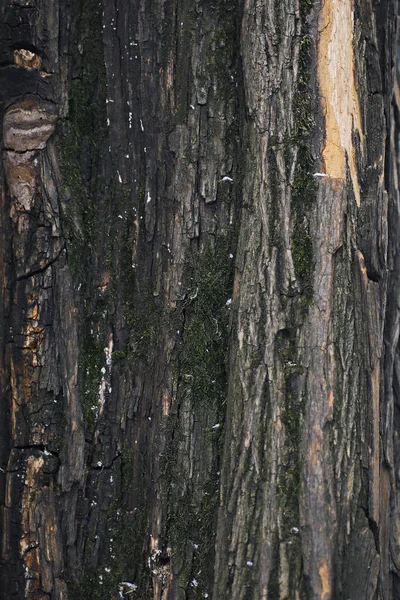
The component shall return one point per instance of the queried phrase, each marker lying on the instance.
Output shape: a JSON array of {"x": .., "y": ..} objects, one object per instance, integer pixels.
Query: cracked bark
[{"x": 200, "y": 299}]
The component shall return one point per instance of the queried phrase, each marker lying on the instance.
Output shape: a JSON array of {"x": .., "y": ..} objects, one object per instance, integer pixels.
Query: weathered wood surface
[{"x": 199, "y": 338}]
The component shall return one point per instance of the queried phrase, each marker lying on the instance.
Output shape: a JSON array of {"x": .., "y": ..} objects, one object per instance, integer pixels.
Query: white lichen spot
[
  {"x": 126, "y": 588},
  {"x": 105, "y": 381},
  {"x": 295, "y": 530}
]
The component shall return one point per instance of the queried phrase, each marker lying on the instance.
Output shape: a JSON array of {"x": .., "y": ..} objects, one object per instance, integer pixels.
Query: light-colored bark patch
[
  {"x": 27, "y": 59},
  {"x": 21, "y": 174},
  {"x": 324, "y": 574},
  {"x": 167, "y": 402},
  {"x": 315, "y": 448},
  {"x": 339, "y": 95},
  {"x": 363, "y": 269},
  {"x": 28, "y": 125}
]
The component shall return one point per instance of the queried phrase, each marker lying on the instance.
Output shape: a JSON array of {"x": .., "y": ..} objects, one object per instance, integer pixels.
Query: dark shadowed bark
[{"x": 200, "y": 295}]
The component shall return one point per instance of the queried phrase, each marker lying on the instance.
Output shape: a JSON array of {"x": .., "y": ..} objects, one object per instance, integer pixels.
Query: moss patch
[
  {"x": 92, "y": 359},
  {"x": 81, "y": 138},
  {"x": 303, "y": 199},
  {"x": 305, "y": 7},
  {"x": 304, "y": 187},
  {"x": 289, "y": 482},
  {"x": 121, "y": 558},
  {"x": 203, "y": 357},
  {"x": 191, "y": 530},
  {"x": 202, "y": 388},
  {"x": 273, "y": 583}
]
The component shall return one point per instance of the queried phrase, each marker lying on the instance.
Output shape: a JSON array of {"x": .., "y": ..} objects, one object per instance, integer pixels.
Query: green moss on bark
[
  {"x": 304, "y": 188},
  {"x": 289, "y": 481},
  {"x": 206, "y": 314},
  {"x": 82, "y": 136},
  {"x": 273, "y": 584},
  {"x": 202, "y": 387},
  {"x": 92, "y": 359},
  {"x": 122, "y": 554}
]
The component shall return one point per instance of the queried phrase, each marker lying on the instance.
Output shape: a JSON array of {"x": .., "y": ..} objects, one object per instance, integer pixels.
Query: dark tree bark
[{"x": 200, "y": 295}]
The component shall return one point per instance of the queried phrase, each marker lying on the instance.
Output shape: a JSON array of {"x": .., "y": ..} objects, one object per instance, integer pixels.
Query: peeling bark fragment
[
  {"x": 27, "y": 125},
  {"x": 21, "y": 173},
  {"x": 339, "y": 93},
  {"x": 27, "y": 59}
]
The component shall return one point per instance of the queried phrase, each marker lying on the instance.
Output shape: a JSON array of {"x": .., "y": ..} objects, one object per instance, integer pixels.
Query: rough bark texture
[{"x": 200, "y": 296}]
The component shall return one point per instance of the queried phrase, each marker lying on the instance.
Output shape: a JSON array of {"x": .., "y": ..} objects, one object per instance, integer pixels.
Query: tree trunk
[{"x": 200, "y": 296}]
